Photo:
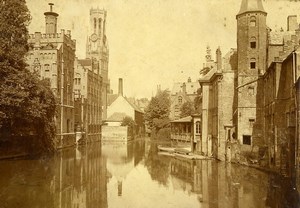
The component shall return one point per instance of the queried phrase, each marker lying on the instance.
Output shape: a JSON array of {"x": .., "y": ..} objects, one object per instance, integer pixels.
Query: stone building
[
  {"x": 88, "y": 97},
  {"x": 51, "y": 55},
  {"x": 182, "y": 92},
  {"x": 97, "y": 50},
  {"x": 266, "y": 105},
  {"x": 217, "y": 97}
]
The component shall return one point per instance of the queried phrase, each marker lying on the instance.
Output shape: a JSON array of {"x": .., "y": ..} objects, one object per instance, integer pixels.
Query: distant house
[
  {"x": 181, "y": 93},
  {"x": 119, "y": 107}
]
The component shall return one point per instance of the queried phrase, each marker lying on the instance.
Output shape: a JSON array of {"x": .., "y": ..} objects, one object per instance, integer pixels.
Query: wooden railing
[{"x": 183, "y": 137}]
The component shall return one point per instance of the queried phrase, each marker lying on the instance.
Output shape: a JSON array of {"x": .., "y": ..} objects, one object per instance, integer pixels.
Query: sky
[{"x": 157, "y": 42}]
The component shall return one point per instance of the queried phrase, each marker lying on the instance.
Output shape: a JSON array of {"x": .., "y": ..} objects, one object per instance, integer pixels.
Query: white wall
[{"x": 122, "y": 106}]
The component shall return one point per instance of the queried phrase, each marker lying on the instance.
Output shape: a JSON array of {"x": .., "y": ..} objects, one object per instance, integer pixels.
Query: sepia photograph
[{"x": 149, "y": 103}]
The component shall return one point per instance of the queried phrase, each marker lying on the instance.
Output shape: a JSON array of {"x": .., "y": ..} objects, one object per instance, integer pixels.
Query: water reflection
[{"x": 134, "y": 175}]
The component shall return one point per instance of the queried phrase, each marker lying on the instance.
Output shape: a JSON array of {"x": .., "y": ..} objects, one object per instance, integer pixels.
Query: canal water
[{"x": 134, "y": 175}]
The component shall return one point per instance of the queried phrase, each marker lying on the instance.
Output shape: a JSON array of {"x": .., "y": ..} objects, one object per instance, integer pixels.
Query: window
[
  {"x": 252, "y": 63},
  {"x": 251, "y": 122},
  {"x": 47, "y": 68},
  {"x": 246, "y": 139},
  {"x": 250, "y": 90},
  {"x": 179, "y": 99},
  {"x": 100, "y": 23},
  {"x": 253, "y": 42},
  {"x": 252, "y": 21},
  {"x": 198, "y": 127}
]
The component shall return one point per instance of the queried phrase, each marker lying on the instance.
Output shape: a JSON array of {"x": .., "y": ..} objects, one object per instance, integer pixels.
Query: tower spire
[{"x": 251, "y": 6}]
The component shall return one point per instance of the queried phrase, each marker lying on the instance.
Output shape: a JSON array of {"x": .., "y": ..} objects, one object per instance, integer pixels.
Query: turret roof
[{"x": 251, "y": 6}]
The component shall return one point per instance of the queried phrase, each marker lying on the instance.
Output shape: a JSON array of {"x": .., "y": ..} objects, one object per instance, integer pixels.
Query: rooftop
[{"x": 251, "y": 6}]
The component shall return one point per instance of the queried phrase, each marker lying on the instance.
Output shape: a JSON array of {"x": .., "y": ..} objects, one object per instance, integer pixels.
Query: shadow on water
[{"x": 134, "y": 175}]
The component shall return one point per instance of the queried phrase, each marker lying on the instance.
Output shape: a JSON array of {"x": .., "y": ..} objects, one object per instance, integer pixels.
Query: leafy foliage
[
  {"x": 14, "y": 19},
  {"x": 158, "y": 110},
  {"x": 128, "y": 121},
  {"x": 197, "y": 101},
  {"x": 27, "y": 104},
  {"x": 187, "y": 109}
]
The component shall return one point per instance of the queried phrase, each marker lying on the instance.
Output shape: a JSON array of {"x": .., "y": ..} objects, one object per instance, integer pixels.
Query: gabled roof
[
  {"x": 111, "y": 98},
  {"x": 183, "y": 95},
  {"x": 183, "y": 120},
  {"x": 117, "y": 117},
  {"x": 191, "y": 87},
  {"x": 135, "y": 107}
]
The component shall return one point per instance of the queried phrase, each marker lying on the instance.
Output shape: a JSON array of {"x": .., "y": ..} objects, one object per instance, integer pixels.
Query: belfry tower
[
  {"x": 97, "y": 50},
  {"x": 252, "y": 56}
]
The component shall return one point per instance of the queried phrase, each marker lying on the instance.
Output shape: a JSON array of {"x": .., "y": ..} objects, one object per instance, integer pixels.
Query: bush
[{"x": 162, "y": 134}]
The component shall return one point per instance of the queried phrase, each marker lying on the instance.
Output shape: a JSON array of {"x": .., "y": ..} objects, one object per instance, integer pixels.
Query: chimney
[
  {"x": 120, "y": 86},
  {"x": 292, "y": 24},
  {"x": 219, "y": 59},
  {"x": 51, "y": 20},
  {"x": 184, "y": 88}
]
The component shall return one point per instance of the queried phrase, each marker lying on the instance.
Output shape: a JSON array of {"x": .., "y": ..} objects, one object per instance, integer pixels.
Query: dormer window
[{"x": 252, "y": 21}]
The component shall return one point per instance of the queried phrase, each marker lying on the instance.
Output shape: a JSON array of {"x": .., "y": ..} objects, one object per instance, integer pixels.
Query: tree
[
  {"x": 157, "y": 114},
  {"x": 14, "y": 19},
  {"x": 27, "y": 103},
  {"x": 187, "y": 109},
  {"x": 128, "y": 121},
  {"x": 197, "y": 101},
  {"x": 158, "y": 110}
]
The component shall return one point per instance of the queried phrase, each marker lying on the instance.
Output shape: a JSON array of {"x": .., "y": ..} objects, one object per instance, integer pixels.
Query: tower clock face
[{"x": 94, "y": 37}]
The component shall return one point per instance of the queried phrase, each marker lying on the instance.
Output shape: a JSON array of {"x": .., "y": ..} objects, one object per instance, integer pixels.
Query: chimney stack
[
  {"x": 292, "y": 23},
  {"x": 51, "y": 20},
  {"x": 184, "y": 88},
  {"x": 120, "y": 86},
  {"x": 219, "y": 59}
]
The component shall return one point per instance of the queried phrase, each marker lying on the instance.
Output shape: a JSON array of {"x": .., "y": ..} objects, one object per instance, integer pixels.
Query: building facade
[
  {"x": 120, "y": 107},
  {"x": 97, "y": 50},
  {"x": 88, "y": 97},
  {"x": 182, "y": 92},
  {"x": 252, "y": 57},
  {"x": 217, "y": 97},
  {"x": 51, "y": 55}
]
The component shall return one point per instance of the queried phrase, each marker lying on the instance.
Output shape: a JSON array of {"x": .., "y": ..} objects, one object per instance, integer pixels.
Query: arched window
[
  {"x": 252, "y": 63},
  {"x": 100, "y": 23},
  {"x": 47, "y": 68},
  {"x": 252, "y": 21},
  {"x": 198, "y": 127},
  {"x": 253, "y": 42},
  {"x": 179, "y": 99},
  {"x": 95, "y": 24}
]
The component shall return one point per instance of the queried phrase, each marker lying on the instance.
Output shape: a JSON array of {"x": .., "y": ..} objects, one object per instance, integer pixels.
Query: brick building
[
  {"x": 52, "y": 55},
  {"x": 265, "y": 103},
  {"x": 97, "y": 50},
  {"x": 252, "y": 57}
]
